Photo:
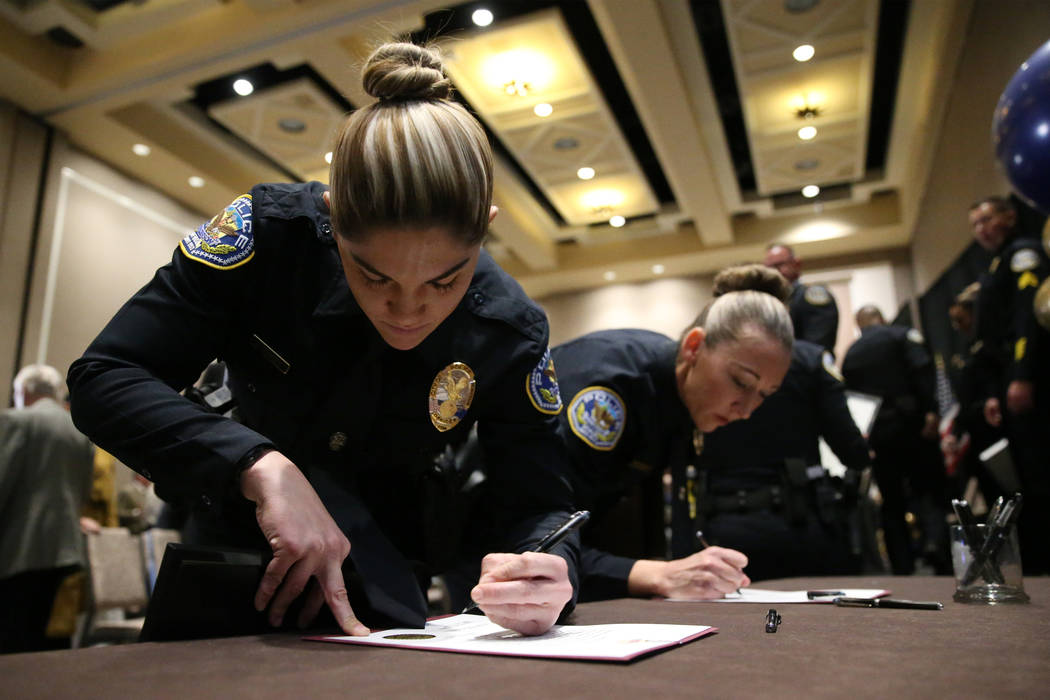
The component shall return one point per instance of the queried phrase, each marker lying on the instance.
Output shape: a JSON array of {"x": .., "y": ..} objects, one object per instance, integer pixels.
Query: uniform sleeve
[
  {"x": 821, "y": 317},
  {"x": 528, "y": 484},
  {"x": 603, "y": 576},
  {"x": 124, "y": 389},
  {"x": 1026, "y": 268},
  {"x": 835, "y": 422}
]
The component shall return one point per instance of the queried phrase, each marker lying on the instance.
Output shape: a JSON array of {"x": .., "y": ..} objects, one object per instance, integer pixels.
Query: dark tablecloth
[{"x": 819, "y": 651}]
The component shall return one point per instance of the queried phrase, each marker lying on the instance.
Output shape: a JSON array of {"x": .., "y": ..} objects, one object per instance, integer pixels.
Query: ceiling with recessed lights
[{"x": 643, "y": 137}]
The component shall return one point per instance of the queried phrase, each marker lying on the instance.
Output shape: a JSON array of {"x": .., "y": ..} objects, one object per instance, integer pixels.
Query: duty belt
[{"x": 771, "y": 497}]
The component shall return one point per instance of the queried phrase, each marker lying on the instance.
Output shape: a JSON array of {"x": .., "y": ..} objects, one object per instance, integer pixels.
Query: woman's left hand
[{"x": 523, "y": 592}]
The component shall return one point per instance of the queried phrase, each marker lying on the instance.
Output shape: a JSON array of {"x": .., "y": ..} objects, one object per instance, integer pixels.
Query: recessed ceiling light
[
  {"x": 658, "y": 269},
  {"x": 243, "y": 87},
  {"x": 810, "y": 191},
  {"x": 609, "y": 275},
  {"x": 482, "y": 17},
  {"x": 585, "y": 173},
  {"x": 543, "y": 109},
  {"x": 328, "y": 157},
  {"x": 807, "y": 132},
  {"x": 803, "y": 52},
  {"x": 141, "y": 149},
  {"x": 196, "y": 181},
  {"x": 291, "y": 125},
  {"x": 617, "y": 221}
]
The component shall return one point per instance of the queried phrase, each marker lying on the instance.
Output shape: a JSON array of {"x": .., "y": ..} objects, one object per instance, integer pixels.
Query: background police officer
[
  {"x": 814, "y": 314},
  {"x": 891, "y": 362},
  {"x": 764, "y": 491},
  {"x": 1006, "y": 323}
]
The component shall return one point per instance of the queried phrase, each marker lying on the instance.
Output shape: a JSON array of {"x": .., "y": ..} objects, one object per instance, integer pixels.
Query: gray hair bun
[{"x": 403, "y": 71}]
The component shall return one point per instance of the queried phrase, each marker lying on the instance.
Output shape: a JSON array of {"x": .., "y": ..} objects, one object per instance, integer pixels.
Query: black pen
[
  {"x": 551, "y": 540},
  {"x": 887, "y": 603}
]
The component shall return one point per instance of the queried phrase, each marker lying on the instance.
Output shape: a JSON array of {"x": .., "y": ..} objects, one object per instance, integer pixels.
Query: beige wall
[
  {"x": 101, "y": 238},
  {"x": 1001, "y": 35},
  {"x": 22, "y": 152},
  {"x": 668, "y": 305}
]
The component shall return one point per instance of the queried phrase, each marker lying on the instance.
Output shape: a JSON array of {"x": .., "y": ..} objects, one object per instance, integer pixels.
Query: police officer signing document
[{"x": 363, "y": 330}]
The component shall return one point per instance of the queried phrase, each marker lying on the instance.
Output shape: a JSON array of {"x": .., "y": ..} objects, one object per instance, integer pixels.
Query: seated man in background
[{"x": 45, "y": 478}]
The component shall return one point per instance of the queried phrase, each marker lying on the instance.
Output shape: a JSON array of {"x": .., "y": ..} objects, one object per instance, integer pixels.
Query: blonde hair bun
[
  {"x": 754, "y": 277},
  {"x": 403, "y": 71}
]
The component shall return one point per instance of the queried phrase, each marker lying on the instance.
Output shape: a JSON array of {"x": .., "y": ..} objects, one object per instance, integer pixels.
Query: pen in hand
[
  {"x": 551, "y": 540},
  {"x": 704, "y": 545}
]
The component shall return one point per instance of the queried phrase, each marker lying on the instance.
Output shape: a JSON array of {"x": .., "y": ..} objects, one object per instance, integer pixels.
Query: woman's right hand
[
  {"x": 306, "y": 543},
  {"x": 710, "y": 573}
]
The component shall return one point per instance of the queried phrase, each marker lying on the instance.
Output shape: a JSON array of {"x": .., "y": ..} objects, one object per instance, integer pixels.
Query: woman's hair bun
[
  {"x": 753, "y": 277},
  {"x": 403, "y": 71}
]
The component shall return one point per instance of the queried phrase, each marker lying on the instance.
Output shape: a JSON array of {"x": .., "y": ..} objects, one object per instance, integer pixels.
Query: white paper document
[
  {"x": 765, "y": 595},
  {"x": 475, "y": 634}
]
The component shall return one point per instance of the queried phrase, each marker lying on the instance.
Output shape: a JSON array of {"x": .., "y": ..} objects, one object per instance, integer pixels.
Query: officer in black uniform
[
  {"x": 892, "y": 362},
  {"x": 1007, "y": 324},
  {"x": 814, "y": 313},
  {"x": 357, "y": 346},
  {"x": 635, "y": 401},
  {"x": 762, "y": 489},
  {"x": 974, "y": 374}
]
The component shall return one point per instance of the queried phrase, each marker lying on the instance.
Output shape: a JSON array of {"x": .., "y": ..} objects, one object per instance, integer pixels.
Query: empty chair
[{"x": 117, "y": 576}]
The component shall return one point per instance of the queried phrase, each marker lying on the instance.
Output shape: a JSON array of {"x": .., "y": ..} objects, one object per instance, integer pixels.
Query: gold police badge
[{"x": 450, "y": 395}]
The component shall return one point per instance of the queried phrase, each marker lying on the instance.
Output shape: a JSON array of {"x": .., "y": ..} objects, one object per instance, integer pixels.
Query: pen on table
[
  {"x": 551, "y": 540},
  {"x": 887, "y": 603},
  {"x": 704, "y": 545},
  {"x": 824, "y": 594}
]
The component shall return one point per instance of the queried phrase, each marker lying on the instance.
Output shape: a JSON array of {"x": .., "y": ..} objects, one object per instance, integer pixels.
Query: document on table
[
  {"x": 475, "y": 634},
  {"x": 765, "y": 595}
]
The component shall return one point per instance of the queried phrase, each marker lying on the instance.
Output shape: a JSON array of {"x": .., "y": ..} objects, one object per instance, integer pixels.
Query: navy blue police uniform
[
  {"x": 814, "y": 314},
  {"x": 892, "y": 362},
  {"x": 1006, "y": 322},
  {"x": 624, "y": 425},
  {"x": 762, "y": 489},
  {"x": 261, "y": 287}
]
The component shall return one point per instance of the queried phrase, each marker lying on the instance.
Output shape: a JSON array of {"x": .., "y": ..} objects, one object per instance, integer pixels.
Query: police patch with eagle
[
  {"x": 597, "y": 416},
  {"x": 226, "y": 241}
]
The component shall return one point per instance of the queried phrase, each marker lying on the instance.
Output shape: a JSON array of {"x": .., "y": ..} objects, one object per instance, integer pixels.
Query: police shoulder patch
[
  {"x": 226, "y": 241},
  {"x": 597, "y": 416},
  {"x": 915, "y": 336},
  {"x": 828, "y": 361},
  {"x": 541, "y": 385},
  {"x": 1024, "y": 259},
  {"x": 817, "y": 295}
]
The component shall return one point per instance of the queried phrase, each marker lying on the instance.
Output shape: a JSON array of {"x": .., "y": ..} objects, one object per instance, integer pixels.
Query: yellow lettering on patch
[
  {"x": 1019, "y": 349},
  {"x": 1028, "y": 279}
]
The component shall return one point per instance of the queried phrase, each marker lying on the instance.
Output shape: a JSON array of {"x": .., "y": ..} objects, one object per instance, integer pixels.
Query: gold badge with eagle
[{"x": 450, "y": 395}]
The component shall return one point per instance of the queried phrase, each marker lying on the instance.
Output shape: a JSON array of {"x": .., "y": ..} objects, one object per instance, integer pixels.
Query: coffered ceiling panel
[{"x": 687, "y": 112}]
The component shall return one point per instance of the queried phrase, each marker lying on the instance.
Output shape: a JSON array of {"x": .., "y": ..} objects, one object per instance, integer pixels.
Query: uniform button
[
  {"x": 336, "y": 441},
  {"x": 479, "y": 298},
  {"x": 326, "y": 228},
  {"x": 146, "y": 473},
  {"x": 206, "y": 500}
]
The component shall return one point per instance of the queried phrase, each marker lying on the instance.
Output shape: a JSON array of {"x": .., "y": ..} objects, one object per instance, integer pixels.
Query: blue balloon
[{"x": 1021, "y": 130}]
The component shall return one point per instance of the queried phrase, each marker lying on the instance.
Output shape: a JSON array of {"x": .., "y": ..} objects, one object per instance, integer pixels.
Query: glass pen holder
[{"x": 994, "y": 581}]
